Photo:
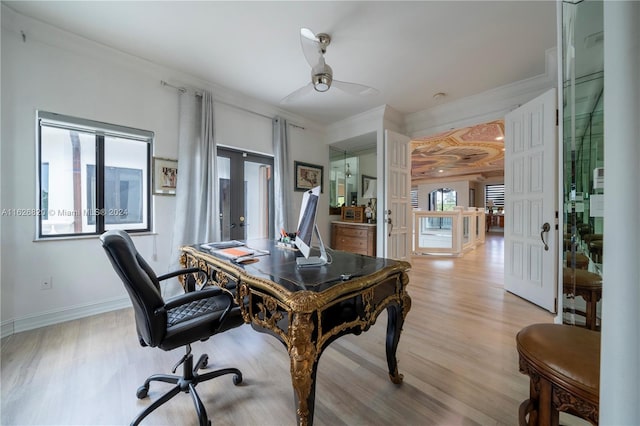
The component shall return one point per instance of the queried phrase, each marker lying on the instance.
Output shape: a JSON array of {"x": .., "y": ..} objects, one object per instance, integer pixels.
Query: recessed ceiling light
[
  {"x": 439, "y": 95},
  {"x": 500, "y": 138},
  {"x": 440, "y": 171}
]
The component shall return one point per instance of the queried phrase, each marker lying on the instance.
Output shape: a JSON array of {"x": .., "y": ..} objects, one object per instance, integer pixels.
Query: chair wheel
[
  {"x": 205, "y": 361},
  {"x": 237, "y": 379},
  {"x": 142, "y": 392}
]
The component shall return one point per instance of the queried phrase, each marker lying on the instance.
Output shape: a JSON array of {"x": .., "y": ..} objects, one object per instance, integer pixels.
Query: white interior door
[
  {"x": 397, "y": 224},
  {"x": 530, "y": 185}
]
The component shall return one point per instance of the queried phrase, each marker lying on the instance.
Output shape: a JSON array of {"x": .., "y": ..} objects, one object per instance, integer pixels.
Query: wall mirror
[
  {"x": 342, "y": 180},
  {"x": 350, "y": 161},
  {"x": 583, "y": 153}
]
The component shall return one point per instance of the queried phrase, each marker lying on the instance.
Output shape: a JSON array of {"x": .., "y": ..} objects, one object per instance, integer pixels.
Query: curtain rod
[{"x": 184, "y": 90}]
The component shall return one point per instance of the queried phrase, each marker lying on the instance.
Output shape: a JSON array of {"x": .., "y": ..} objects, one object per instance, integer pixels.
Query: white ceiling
[{"x": 407, "y": 50}]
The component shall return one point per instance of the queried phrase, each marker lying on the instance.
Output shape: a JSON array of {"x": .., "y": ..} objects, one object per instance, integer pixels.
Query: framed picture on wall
[
  {"x": 308, "y": 176},
  {"x": 165, "y": 176},
  {"x": 366, "y": 182}
]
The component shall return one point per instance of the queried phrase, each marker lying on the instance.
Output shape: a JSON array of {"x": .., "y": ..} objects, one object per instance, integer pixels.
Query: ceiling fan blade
[
  {"x": 307, "y": 33},
  {"x": 297, "y": 94},
  {"x": 355, "y": 88},
  {"x": 310, "y": 47}
]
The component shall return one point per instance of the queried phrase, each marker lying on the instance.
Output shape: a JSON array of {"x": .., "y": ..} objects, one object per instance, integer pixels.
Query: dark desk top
[{"x": 280, "y": 266}]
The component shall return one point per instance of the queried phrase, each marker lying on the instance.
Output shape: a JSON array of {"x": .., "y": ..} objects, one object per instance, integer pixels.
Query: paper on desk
[{"x": 235, "y": 252}]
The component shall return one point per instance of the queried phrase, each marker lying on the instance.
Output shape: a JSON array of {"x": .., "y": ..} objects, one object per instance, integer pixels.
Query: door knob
[{"x": 545, "y": 228}]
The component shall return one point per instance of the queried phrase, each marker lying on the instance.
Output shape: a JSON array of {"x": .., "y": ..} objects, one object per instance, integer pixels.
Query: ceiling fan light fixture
[
  {"x": 314, "y": 46},
  {"x": 322, "y": 82}
]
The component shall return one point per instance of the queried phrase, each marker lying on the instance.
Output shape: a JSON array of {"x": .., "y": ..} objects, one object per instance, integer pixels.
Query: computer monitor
[{"x": 307, "y": 227}]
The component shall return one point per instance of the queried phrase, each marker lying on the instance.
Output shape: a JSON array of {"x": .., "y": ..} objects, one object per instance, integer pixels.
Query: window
[
  {"x": 92, "y": 177},
  {"x": 442, "y": 200},
  {"x": 414, "y": 198},
  {"x": 494, "y": 195}
]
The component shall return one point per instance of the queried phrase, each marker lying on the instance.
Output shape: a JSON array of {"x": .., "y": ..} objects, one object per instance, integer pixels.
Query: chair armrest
[
  {"x": 180, "y": 272},
  {"x": 186, "y": 271}
]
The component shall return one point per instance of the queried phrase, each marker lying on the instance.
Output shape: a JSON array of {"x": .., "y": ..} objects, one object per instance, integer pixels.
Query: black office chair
[{"x": 178, "y": 321}]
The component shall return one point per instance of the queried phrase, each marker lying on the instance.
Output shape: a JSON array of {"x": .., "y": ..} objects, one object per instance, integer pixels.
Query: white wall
[
  {"x": 620, "y": 340},
  {"x": 314, "y": 148},
  {"x": 241, "y": 130},
  {"x": 59, "y": 72},
  {"x": 38, "y": 75}
]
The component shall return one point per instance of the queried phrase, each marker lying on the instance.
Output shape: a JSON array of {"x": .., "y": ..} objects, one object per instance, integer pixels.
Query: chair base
[{"x": 185, "y": 383}]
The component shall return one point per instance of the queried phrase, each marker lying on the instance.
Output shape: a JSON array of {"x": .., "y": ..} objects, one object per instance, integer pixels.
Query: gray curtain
[
  {"x": 282, "y": 185},
  {"x": 197, "y": 217}
]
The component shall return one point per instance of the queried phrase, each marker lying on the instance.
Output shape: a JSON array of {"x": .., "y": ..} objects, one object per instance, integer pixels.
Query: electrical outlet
[{"x": 46, "y": 284}]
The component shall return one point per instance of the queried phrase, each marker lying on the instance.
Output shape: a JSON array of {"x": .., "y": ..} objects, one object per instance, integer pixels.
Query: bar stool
[
  {"x": 595, "y": 250},
  {"x": 563, "y": 363},
  {"x": 582, "y": 260},
  {"x": 592, "y": 237},
  {"x": 584, "y": 228},
  {"x": 587, "y": 285}
]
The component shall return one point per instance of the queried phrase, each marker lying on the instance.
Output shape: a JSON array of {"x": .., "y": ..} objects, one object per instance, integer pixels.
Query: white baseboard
[
  {"x": 31, "y": 322},
  {"x": 6, "y": 328}
]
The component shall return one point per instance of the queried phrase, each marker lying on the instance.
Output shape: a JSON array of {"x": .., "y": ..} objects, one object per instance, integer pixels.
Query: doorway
[
  {"x": 441, "y": 200},
  {"x": 245, "y": 182}
]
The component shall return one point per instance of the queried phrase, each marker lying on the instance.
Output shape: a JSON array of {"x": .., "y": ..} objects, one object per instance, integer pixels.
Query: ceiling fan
[{"x": 314, "y": 46}]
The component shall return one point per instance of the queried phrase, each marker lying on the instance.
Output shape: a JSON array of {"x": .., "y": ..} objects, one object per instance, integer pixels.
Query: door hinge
[{"x": 557, "y": 117}]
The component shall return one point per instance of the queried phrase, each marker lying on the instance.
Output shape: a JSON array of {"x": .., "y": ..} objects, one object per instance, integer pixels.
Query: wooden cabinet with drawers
[{"x": 354, "y": 237}]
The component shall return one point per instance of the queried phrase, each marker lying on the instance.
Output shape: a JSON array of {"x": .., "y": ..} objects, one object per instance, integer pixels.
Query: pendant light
[{"x": 347, "y": 171}]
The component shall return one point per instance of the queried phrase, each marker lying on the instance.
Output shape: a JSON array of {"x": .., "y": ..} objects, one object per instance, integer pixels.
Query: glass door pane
[
  {"x": 246, "y": 195},
  {"x": 583, "y": 151},
  {"x": 257, "y": 195},
  {"x": 224, "y": 186}
]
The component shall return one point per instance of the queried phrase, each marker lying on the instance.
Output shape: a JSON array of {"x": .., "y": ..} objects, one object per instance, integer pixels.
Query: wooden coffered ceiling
[{"x": 469, "y": 153}]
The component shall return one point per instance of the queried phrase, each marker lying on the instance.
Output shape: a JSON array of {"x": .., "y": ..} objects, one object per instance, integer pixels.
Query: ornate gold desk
[{"x": 308, "y": 308}]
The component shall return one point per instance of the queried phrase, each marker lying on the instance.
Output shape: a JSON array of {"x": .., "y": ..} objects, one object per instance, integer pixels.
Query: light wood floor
[{"x": 457, "y": 353}]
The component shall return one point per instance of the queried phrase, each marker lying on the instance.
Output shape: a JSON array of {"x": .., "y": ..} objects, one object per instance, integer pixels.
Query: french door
[
  {"x": 530, "y": 188},
  {"x": 245, "y": 182},
  {"x": 397, "y": 198}
]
